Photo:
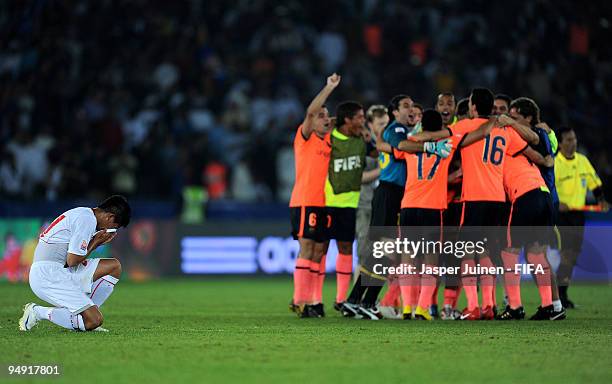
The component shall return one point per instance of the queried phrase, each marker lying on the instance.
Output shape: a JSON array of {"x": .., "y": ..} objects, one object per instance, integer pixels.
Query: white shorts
[{"x": 64, "y": 287}]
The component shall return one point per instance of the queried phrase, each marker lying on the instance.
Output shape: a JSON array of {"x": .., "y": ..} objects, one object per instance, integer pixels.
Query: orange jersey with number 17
[
  {"x": 426, "y": 178},
  {"x": 483, "y": 161}
]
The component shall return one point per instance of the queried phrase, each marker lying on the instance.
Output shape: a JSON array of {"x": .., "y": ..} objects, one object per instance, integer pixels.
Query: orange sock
[
  {"x": 434, "y": 295},
  {"x": 493, "y": 293},
  {"x": 450, "y": 296},
  {"x": 407, "y": 286},
  {"x": 486, "y": 283},
  {"x": 469, "y": 285},
  {"x": 428, "y": 286},
  {"x": 542, "y": 279},
  {"x": 459, "y": 289},
  {"x": 314, "y": 276},
  {"x": 405, "y": 293},
  {"x": 398, "y": 298},
  {"x": 415, "y": 289},
  {"x": 344, "y": 272},
  {"x": 317, "y": 296},
  {"x": 301, "y": 279},
  {"x": 393, "y": 293},
  {"x": 512, "y": 280}
]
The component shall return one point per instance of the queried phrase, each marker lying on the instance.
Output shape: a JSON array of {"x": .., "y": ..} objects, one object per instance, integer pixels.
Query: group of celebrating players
[{"x": 482, "y": 167}]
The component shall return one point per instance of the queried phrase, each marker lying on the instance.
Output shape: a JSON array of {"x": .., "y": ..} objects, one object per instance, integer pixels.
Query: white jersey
[{"x": 69, "y": 233}]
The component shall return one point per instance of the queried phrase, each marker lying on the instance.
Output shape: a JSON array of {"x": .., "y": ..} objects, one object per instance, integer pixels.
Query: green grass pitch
[{"x": 220, "y": 330}]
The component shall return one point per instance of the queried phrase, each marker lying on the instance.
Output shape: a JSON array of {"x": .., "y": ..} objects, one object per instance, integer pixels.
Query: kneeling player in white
[{"x": 61, "y": 274}]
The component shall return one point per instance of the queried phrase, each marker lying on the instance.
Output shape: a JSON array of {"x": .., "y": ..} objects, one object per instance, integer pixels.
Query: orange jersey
[
  {"x": 426, "y": 179},
  {"x": 483, "y": 161},
  {"x": 521, "y": 176},
  {"x": 311, "y": 163}
]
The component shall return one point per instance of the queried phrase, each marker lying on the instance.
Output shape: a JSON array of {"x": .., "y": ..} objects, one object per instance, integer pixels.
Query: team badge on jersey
[{"x": 84, "y": 246}]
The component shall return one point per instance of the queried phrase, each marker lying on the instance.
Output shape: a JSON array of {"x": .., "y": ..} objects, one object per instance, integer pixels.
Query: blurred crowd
[{"x": 143, "y": 99}]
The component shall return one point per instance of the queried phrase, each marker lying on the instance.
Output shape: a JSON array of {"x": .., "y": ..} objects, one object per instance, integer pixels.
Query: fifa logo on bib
[{"x": 347, "y": 164}]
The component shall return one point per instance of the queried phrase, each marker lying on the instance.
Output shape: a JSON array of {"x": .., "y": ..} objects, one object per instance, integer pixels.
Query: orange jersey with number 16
[{"x": 483, "y": 161}]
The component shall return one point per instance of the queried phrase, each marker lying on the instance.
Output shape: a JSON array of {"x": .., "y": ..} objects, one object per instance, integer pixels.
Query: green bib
[{"x": 346, "y": 165}]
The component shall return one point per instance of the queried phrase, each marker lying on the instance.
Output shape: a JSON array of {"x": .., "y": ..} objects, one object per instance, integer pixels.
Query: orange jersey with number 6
[{"x": 311, "y": 163}]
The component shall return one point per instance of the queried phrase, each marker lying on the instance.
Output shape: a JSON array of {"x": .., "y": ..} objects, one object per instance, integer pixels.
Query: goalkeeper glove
[{"x": 441, "y": 148}]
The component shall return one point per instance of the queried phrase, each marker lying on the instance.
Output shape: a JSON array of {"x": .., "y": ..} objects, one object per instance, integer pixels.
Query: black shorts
[
  {"x": 483, "y": 220},
  {"x": 343, "y": 223},
  {"x": 571, "y": 229},
  {"x": 505, "y": 213},
  {"x": 483, "y": 213},
  {"x": 450, "y": 232},
  {"x": 309, "y": 223},
  {"x": 421, "y": 223},
  {"x": 386, "y": 204},
  {"x": 452, "y": 215},
  {"x": 531, "y": 219}
]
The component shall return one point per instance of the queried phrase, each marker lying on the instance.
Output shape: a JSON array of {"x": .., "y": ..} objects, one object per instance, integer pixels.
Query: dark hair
[
  {"x": 527, "y": 107},
  {"x": 346, "y": 110},
  {"x": 462, "y": 107},
  {"x": 376, "y": 110},
  {"x": 504, "y": 97},
  {"x": 441, "y": 95},
  {"x": 482, "y": 98},
  {"x": 562, "y": 131},
  {"x": 118, "y": 206},
  {"x": 394, "y": 103},
  {"x": 431, "y": 121},
  {"x": 417, "y": 105}
]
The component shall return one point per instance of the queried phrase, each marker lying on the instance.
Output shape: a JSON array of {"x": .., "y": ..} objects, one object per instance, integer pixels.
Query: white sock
[
  {"x": 42, "y": 313},
  {"x": 102, "y": 288},
  {"x": 63, "y": 318},
  {"x": 557, "y": 305}
]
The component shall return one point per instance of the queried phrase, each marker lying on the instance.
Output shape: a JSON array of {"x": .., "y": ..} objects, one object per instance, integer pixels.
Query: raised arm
[
  {"x": 317, "y": 103},
  {"x": 524, "y": 131}
]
